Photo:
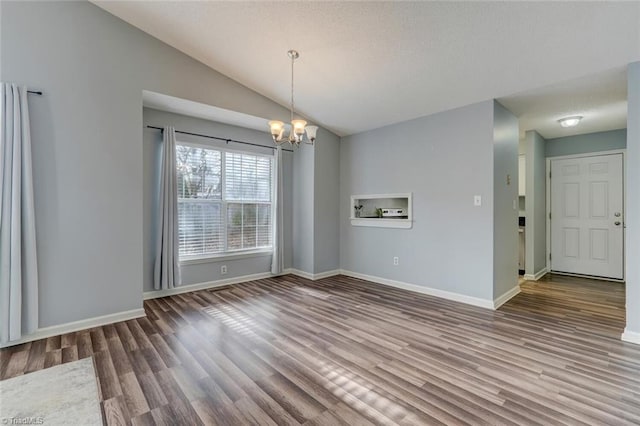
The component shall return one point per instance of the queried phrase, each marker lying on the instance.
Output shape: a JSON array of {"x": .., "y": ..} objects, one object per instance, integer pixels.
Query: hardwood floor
[{"x": 342, "y": 351}]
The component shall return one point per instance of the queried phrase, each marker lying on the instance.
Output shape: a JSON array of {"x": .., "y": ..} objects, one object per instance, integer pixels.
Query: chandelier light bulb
[
  {"x": 298, "y": 126},
  {"x": 276, "y": 127}
]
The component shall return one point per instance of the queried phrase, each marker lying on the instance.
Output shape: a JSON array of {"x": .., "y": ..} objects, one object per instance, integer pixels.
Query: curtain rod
[
  {"x": 35, "y": 92},
  {"x": 227, "y": 140}
]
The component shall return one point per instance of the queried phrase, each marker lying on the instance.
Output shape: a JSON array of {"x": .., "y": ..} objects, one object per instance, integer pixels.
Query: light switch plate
[{"x": 477, "y": 200}]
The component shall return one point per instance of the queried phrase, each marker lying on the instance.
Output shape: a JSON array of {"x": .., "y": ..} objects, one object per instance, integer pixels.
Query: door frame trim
[{"x": 624, "y": 199}]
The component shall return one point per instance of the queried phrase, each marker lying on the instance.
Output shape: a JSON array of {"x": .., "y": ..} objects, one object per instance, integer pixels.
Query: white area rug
[{"x": 66, "y": 394}]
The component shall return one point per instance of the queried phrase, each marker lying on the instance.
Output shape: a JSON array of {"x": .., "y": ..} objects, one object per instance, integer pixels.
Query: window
[{"x": 224, "y": 201}]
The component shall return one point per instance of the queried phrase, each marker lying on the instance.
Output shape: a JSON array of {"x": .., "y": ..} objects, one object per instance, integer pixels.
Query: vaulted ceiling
[{"x": 368, "y": 64}]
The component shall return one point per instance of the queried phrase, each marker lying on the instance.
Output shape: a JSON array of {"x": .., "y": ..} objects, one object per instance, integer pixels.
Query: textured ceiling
[
  {"x": 601, "y": 99},
  {"x": 368, "y": 64}
]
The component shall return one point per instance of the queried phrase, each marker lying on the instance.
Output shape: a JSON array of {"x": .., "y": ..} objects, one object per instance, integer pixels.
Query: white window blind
[
  {"x": 224, "y": 201},
  {"x": 248, "y": 192}
]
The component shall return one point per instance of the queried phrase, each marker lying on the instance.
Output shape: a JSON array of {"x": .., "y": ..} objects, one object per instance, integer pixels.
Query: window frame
[{"x": 235, "y": 253}]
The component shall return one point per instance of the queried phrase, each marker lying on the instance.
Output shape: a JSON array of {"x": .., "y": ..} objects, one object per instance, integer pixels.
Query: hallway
[{"x": 566, "y": 304}]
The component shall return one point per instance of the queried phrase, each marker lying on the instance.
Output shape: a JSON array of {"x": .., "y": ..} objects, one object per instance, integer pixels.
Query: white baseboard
[
  {"x": 326, "y": 274},
  {"x": 70, "y": 327},
  {"x": 300, "y": 273},
  {"x": 631, "y": 336},
  {"x": 456, "y": 297},
  {"x": 235, "y": 280},
  {"x": 508, "y": 295},
  {"x": 209, "y": 284},
  {"x": 314, "y": 277},
  {"x": 535, "y": 277}
]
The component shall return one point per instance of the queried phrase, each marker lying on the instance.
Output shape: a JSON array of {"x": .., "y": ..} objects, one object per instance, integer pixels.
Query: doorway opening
[{"x": 572, "y": 223}]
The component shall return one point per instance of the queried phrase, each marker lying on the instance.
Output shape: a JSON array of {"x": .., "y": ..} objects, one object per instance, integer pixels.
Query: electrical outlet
[
  {"x": 396, "y": 261},
  {"x": 477, "y": 200},
  {"x": 223, "y": 270}
]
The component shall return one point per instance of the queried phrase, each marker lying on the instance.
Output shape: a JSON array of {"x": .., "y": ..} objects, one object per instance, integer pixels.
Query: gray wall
[
  {"x": 505, "y": 197},
  {"x": 209, "y": 270},
  {"x": 590, "y": 142},
  {"x": 303, "y": 208},
  {"x": 633, "y": 199},
  {"x": 327, "y": 204},
  {"x": 535, "y": 203},
  {"x": 444, "y": 159},
  {"x": 87, "y": 144}
]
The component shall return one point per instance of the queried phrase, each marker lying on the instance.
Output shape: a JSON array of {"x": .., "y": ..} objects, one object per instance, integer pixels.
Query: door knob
[{"x": 617, "y": 223}]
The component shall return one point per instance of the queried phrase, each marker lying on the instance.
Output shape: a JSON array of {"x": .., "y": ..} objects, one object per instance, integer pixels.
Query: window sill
[
  {"x": 226, "y": 256},
  {"x": 382, "y": 222}
]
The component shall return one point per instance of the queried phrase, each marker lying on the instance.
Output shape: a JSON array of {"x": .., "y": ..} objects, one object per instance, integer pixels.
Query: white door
[{"x": 587, "y": 231}]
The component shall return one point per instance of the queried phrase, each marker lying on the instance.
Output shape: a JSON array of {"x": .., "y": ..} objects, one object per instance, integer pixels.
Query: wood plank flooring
[{"x": 342, "y": 351}]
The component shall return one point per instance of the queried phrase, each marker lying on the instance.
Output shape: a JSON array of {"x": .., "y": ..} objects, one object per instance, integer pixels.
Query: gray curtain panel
[
  {"x": 277, "y": 261},
  {"x": 167, "y": 267},
  {"x": 18, "y": 260}
]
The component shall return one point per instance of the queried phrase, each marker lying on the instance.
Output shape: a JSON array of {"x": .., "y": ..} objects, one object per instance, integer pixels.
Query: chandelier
[{"x": 298, "y": 127}]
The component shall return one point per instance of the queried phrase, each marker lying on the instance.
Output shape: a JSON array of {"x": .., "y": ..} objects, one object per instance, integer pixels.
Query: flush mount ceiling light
[
  {"x": 298, "y": 127},
  {"x": 570, "y": 121}
]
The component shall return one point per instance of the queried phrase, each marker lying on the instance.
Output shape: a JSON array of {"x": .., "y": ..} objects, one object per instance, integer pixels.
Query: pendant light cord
[{"x": 292, "y": 105}]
